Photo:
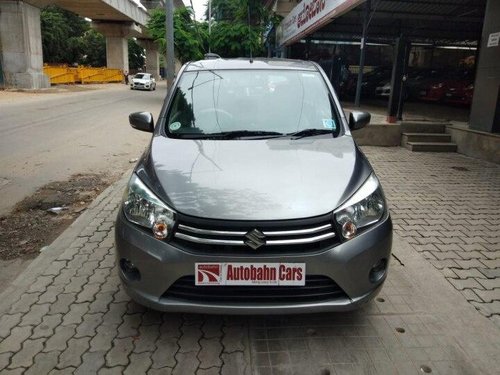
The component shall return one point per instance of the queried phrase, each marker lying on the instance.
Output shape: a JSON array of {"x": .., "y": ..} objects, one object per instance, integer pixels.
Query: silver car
[{"x": 252, "y": 197}]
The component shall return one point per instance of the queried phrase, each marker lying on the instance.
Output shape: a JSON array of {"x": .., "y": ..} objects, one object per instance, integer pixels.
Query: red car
[
  {"x": 460, "y": 93},
  {"x": 437, "y": 90},
  {"x": 434, "y": 92}
]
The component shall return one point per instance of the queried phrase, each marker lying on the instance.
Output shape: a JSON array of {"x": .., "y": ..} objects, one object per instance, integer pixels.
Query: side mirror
[
  {"x": 142, "y": 121},
  {"x": 358, "y": 120}
]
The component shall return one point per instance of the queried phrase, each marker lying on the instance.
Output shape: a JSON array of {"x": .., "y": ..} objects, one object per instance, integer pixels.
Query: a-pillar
[
  {"x": 152, "y": 57},
  {"x": 485, "y": 110},
  {"x": 117, "y": 35},
  {"x": 21, "y": 56}
]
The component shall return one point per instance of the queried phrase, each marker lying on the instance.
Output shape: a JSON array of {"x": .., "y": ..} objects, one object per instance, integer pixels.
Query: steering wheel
[{"x": 217, "y": 111}]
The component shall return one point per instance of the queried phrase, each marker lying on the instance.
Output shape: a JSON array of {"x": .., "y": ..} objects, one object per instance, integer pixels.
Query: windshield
[
  {"x": 141, "y": 76},
  {"x": 251, "y": 102}
]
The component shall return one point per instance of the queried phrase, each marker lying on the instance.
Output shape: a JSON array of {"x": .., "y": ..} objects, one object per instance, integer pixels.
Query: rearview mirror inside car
[
  {"x": 358, "y": 120},
  {"x": 142, "y": 121}
]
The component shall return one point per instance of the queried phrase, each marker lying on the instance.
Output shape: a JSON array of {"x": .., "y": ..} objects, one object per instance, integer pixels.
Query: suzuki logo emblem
[{"x": 255, "y": 239}]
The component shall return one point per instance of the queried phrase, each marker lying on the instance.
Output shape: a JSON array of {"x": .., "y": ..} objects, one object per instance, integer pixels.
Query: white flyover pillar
[
  {"x": 117, "y": 35},
  {"x": 21, "y": 56},
  {"x": 117, "y": 53},
  {"x": 152, "y": 57}
]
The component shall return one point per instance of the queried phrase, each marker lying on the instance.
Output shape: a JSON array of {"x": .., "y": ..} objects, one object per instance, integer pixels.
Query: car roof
[{"x": 246, "y": 63}]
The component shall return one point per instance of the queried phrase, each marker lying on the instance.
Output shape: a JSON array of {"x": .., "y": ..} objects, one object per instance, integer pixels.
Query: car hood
[
  {"x": 271, "y": 179},
  {"x": 140, "y": 80}
]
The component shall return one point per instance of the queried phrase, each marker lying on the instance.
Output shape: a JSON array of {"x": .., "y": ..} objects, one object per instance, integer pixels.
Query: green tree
[
  {"x": 135, "y": 55},
  {"x": 189, "y": 35},
  {"x": 223, "y": 10},
  {"x": 238, "y": 27},
  {"x": 232, "y": 35},
  {"x": 61, "y": 31},
  {"x": 93, "y": 47},
  {"x": 236, "y": 39}
]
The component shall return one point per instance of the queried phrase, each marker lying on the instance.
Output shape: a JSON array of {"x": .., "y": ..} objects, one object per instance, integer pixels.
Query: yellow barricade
[
  {"x": 60, "y": 74},
  {"x": 99, "y": 75}
]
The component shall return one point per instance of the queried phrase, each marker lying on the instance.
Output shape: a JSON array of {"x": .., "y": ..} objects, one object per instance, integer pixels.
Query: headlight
[
  {"x": 143, "y": 208},
  {"x": 365, "y": 207}
]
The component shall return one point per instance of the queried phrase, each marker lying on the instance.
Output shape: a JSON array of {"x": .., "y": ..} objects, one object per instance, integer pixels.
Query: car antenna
[{"x": 249, "y": 33}]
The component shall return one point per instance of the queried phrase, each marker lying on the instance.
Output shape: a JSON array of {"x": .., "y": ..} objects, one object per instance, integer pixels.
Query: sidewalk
[{"x": 67, "y": 313}]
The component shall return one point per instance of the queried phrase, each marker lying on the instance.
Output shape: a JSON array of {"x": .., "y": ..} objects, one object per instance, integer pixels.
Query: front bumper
[
  {"x": 140, "y": 86},
  {"x": 348, "y": 264}
]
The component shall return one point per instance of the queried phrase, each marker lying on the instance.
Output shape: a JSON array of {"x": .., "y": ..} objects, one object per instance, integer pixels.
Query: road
[{"x": 47, "y": 137}]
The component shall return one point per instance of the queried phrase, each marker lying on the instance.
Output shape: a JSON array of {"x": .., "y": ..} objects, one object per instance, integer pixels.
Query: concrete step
[
  {"x": 425, "y": 137},
  {"x": 431, "y": 146},
  {"x": 423, "y": 127}
]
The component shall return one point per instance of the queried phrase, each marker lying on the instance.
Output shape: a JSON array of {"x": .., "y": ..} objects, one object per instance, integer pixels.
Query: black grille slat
[{"x": 317, "y": 288}]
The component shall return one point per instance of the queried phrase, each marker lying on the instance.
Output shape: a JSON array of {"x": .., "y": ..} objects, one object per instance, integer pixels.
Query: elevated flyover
[
  {"x": 21, "y": 57},
  {"x": 103, "y": 10}
]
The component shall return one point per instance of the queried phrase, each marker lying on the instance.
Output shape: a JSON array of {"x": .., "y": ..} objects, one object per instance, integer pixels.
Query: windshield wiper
[
  {"x": 309, "y": 133},
  {"x": 244, "y": 133},
  {"x": 230, "y": 135}
]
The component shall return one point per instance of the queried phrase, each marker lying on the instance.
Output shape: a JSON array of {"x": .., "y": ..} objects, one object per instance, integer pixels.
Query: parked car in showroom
[
  {"x": 252, "y": 197},
  {"x": 416, "y": 85},
  {"x": 436, "y": 89},
  {"x": 412, "y": 77},
  {"x": 460, "y": 93},
  {"x": 371, "y": 80},
  {"x": 143, "y": 81}
]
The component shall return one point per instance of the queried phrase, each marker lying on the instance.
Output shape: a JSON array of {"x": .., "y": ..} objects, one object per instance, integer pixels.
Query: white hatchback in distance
[{"x": 143, "y": 81}]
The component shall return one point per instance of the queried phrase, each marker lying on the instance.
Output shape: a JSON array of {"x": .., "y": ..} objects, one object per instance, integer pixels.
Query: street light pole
[
  {"x": 169, "y": 38},
  {"x": 209, "y": 24}
]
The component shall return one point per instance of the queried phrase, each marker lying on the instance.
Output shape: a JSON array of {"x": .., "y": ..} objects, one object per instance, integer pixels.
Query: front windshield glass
[
  {"x": 267, "y": 101},
  {"x": 140, "y": 76}
]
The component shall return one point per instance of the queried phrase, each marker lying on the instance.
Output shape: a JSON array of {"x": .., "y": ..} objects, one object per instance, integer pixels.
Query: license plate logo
[
  {"x": 208, "y": 274},
  {"x": 281, "y": 274}
]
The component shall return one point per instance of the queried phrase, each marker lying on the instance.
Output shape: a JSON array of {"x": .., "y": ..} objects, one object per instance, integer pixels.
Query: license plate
[
  {"x": 423, "y": 93},
  {"x": 258, "y": 274}
]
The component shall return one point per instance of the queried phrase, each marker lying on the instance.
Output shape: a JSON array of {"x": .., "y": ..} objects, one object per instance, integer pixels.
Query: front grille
[
  {"x": 317, "y": 289},
  {"x": 273, "y": 236}
]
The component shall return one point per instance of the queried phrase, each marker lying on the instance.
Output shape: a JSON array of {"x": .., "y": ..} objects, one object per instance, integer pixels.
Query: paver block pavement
[
  {"x": 78, "y": 318},
  {"x": 448, "y": 207}
]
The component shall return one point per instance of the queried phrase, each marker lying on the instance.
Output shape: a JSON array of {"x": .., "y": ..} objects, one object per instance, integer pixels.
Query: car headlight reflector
[
  {"x": 365, "y": 207},
  {"x": 143, "y": 208}
]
